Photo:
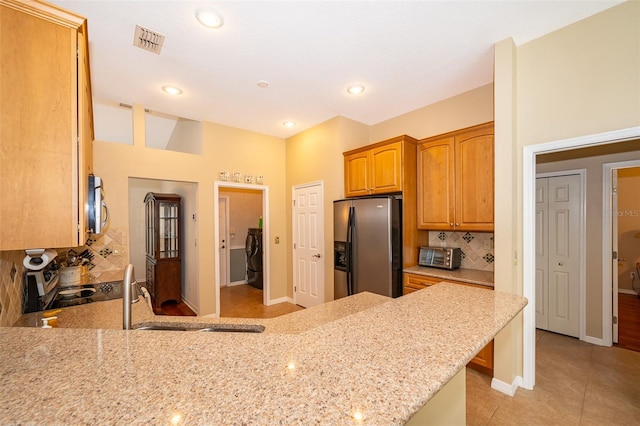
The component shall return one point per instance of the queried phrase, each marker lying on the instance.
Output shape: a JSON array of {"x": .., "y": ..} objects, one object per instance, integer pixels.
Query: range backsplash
[
  {"x": 477, "y": 247},
  {"x": 105, "y": 266}
]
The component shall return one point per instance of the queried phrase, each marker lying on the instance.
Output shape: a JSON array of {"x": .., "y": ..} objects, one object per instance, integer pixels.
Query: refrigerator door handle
[{"x": 349, "y": 252}]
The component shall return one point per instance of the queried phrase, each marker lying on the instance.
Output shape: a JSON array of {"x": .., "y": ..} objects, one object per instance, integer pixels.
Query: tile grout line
[{"x": 586, "y": 385}]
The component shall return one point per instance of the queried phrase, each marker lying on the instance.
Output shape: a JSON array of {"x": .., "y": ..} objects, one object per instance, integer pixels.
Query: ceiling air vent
[{"x": 149, "y": 40}]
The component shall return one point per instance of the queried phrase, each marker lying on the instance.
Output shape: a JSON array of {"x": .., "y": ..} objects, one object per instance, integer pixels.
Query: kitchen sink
[{"x": 212, "y": 328}]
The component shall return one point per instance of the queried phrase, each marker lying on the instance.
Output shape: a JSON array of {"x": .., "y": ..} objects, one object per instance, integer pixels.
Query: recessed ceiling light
[
  {"x": 289, "y": 123},
  {"x": 172, "y": 90},
  {"x": 209, "y": 18},
  {"x": 263, "y": 84},
  {"x": 355, "y": 89}
]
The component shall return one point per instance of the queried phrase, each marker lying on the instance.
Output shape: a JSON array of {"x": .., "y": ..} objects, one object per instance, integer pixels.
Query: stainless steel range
[
  {"x": 43, "y": 290},
  {"x": 87, "y": 293}
]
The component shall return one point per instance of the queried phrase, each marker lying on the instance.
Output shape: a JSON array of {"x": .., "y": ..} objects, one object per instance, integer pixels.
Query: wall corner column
[{"x": 508, "y": 343}]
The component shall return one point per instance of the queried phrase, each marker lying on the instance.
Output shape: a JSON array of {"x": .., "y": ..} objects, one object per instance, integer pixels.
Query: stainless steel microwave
[
  {"x": 98, "y": 213},
  {"x": 440, "y": 257}
]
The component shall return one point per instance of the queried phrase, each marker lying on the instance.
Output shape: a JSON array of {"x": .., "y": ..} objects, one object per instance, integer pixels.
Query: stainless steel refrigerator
[{"x": 367, "y": 234}]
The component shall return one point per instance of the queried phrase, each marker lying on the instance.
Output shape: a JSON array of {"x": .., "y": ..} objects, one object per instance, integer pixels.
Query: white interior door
[
  {"x": 308, "y": 244},
  {"x": 223, "y": 232},
  {"x": 542, "y": 253},
  {"x": 558, "y": 265}
]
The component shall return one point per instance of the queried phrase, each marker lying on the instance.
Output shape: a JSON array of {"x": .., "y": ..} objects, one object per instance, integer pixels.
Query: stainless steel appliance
[
  {"x": 98, "y": 213},
  {"x": 253, "y": 248},
  {"x": 41, "y": 277},
  {"x": 42, "y": 285},
  {"x": 367, "y": 235},
  {"x": 440, "y": 257}
]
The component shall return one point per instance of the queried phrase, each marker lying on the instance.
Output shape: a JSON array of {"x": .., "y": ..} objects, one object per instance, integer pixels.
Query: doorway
[
  {"x": 530, "y": 154},
  {"x": 241, "y": 207},
  {"x": 622, "y": 233}
]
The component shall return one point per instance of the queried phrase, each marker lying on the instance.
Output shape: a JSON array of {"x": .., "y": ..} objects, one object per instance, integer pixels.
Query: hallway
[{"x": 244, "y": 301}]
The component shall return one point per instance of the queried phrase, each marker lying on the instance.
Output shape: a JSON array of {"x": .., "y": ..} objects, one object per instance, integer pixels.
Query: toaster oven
[{"x": 440, "y": 257}]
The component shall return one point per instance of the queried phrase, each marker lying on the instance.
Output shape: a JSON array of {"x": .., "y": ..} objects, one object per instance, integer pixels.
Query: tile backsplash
[
  {"x": 11, "y": 289},
  {"x": 110, "y": 255},
  {"x": 477, "y": 247}
]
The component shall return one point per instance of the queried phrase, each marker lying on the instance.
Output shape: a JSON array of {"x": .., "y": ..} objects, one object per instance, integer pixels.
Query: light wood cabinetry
[
  {"x": 378, "y": 168},
  {"x": 163, "y": 250},
  {"x": 384, "y": 168},
  {"x": 47, "y": 126},
  {"x": 483, "y": 361},
  {"x": 456, "y": 180}
]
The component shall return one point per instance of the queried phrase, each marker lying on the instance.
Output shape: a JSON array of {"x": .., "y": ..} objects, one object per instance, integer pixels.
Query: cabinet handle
[
  {"x": 451, "y": 224},
  {"x": 457, "y": 224}
]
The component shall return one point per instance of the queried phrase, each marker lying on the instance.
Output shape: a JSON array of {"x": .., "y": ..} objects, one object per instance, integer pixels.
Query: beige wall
[
  {"x": 579, "y": 80},
  {"x": 316, "y": 155},
  {"x": 464, "y": 110},
  {"x": 595, "y": 210},
  {"x": 224, "y": 148}
]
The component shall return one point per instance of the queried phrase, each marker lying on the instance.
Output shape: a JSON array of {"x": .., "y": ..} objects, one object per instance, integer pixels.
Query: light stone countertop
[
  {"x": 387, "y": 360},
  {"x": 471, "y": 276}
]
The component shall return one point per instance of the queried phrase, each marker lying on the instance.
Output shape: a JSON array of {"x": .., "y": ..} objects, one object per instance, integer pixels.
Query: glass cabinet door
[
  {"x": 168, "y": 229},
  {"x": 150, "y": 225}
]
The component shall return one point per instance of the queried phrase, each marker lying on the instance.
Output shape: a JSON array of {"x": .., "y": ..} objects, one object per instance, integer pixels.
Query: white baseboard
[
  {"x": 506, "y": 388},
  {"x": 594, "y": 340},
  {"x": 626, "y": 291},
  {"x": 235, "y": 283},
  {"x": 190, "y": 305},
  {"x": 279, "y": 300}
]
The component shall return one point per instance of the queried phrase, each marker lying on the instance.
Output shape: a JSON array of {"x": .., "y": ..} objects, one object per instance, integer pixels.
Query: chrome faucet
[{"x": 129, "y": 296}]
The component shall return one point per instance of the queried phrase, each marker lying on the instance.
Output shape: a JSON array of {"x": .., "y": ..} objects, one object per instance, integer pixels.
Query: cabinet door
[
  {"x": 474, "y": 180},
  {"x": 40, "y": 182},
  {"x": 414, "y": 282},
  {"x": 386, "y": 168},
  {"x": 435, "y": 184},
  {"x": 356, "y": 174}
]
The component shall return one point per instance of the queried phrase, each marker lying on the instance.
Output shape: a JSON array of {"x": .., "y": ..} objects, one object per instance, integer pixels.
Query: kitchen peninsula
[{"x": 365, "y": 359}]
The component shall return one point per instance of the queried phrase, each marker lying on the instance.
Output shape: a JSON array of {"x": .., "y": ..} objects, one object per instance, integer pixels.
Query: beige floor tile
[
  {"x": 482, "y": 401},
  {"x": 576, "y": 384}
]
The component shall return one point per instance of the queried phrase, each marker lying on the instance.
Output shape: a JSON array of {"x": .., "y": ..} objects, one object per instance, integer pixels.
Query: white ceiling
[{"x": 408, "y": 54}]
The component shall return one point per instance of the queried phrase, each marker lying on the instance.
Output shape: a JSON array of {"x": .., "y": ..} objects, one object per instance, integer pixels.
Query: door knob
[
  {"x": 560, "y": 263},
  {"x": 317, "y": 256}
]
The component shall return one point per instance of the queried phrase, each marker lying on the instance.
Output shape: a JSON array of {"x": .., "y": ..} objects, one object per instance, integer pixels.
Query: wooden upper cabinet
[
  {"x": 436, "y": 184},
  {"x": 386, "y": 168},
  {"x": 456, "y": 180},
  {"x": 378, "y": 168},
  {"x": 474, "y": 180},
  {"x": 47, "y": 126},
  {"x": 356, "y": 174}
]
